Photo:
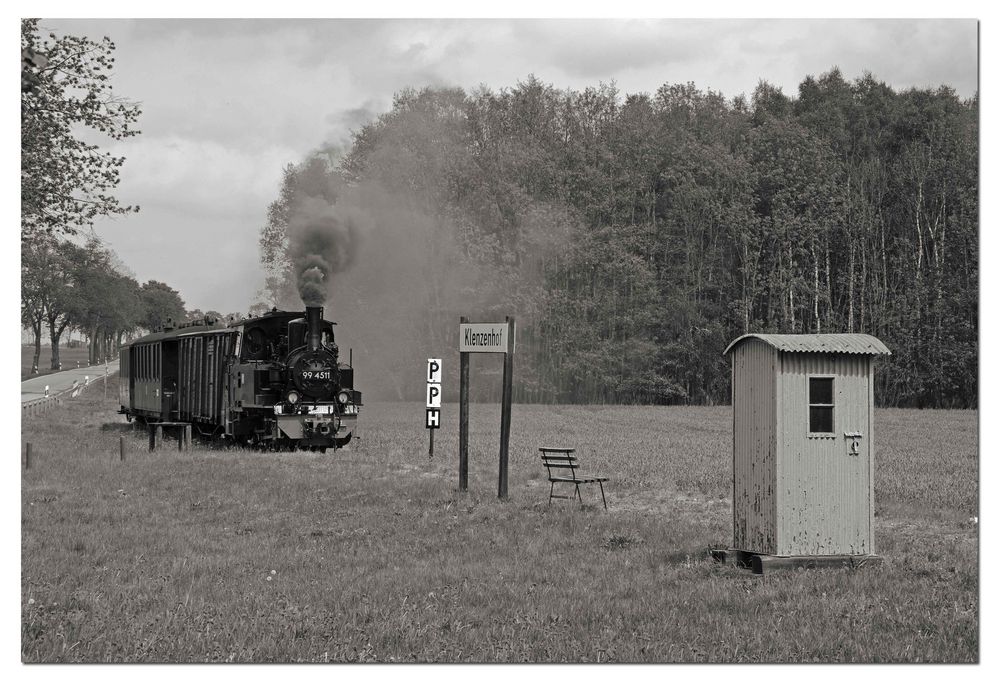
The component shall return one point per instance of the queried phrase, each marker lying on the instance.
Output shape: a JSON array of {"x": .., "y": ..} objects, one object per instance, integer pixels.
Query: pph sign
[{"x": 433, "y": 418}]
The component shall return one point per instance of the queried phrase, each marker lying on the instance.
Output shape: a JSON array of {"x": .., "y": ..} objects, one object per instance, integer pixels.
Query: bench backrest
[{"x": 559, "y": 459}]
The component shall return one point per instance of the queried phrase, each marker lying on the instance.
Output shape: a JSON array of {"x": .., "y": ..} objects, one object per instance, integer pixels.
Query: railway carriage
[{"x": 274, "y": 381}]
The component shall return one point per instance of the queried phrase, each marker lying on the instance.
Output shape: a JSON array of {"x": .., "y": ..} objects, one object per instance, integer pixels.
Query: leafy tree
[
  {"x": 59, "y": 296},
  {"x": 258, "y": 309},
  {"x": 67, "y": 181},
  {"x": 106, "y": 304},
  {"x": 160, "y": 304},
  {"x": 35, "y": 261}
]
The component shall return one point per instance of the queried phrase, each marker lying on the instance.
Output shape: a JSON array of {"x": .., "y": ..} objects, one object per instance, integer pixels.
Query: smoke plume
[{"x": 322, "y": 242}]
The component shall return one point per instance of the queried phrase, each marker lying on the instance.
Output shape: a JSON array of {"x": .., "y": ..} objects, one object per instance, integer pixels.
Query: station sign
[{"x": 484, "y": 337}]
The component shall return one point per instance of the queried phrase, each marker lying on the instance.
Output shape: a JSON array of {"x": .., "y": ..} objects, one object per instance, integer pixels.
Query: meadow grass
[
  {"x": 77, "y": 356},
  {"x": 372, "y": 554}
]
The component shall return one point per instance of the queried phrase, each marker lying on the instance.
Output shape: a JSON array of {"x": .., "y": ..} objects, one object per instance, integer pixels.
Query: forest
[{"x": 634, "y": 236}]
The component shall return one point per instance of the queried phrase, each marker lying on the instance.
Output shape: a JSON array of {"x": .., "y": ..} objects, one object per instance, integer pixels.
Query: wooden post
[
  {"x": 187, "y": 437},
  {"x": 27, "y": 456},
  {"x": 430, "y": 449},
  {"x": 508, "y": 392},
  {"x": 463, "y": 419},
  {"x": 121, "y": 448},
  {"x": 180, "y": 439}
]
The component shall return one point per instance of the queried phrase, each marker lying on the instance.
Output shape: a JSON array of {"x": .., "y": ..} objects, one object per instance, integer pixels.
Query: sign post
[
  {"x": 485, "y": 337},
  {"x": 433, "y": 419},
  {"x": 508, "y": 392},
  {"x": 463, "y": 416}
]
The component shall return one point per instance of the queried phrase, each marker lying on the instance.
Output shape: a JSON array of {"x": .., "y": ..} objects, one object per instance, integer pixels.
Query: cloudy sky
[{"x": 227, "y": 103}]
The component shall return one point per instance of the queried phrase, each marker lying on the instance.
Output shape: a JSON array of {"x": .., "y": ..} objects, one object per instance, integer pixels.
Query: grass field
[
  {"x": 69, "y": 357},
  {"x": 372, "y": 554}
]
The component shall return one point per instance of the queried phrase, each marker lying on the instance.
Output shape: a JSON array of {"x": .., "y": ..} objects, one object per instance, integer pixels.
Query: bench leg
[
  {"x": 551, "y": 487},
  {"x": 578, "y": 496},
  {"x": 601, "y": 485}
]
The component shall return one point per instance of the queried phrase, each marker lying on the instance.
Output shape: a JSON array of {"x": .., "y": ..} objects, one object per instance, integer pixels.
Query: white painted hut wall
[
  {"x": 824, "y": 495},
  {"x": 754, "y": 446}
]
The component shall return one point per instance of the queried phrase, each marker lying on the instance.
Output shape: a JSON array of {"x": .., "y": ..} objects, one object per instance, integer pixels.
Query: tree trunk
[
  {"x": 850, "y": 283},
  {"x": 55, "y": 333},
  {"x": 36, "y": 331},
  {"x": 816, "y": 319}
]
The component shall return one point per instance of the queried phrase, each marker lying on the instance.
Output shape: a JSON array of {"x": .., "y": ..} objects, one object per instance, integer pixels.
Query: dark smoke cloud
[{"x": 322, "y": 242}]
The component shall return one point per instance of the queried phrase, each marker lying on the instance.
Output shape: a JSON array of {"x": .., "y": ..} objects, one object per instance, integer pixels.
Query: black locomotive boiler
[{"x": 273, "y": 381}]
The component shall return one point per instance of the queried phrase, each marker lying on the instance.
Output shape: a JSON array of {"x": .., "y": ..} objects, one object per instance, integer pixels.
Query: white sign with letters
[
  {"x": 434, "y": 370},
  {"x": 433, "y": 395},
  {"x": 483, "y": 337}
]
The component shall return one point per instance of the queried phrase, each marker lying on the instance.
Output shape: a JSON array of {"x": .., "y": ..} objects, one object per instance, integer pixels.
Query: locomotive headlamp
[
  {"x": 343, "y": 397},
  {"x": 293, "y": 396}
]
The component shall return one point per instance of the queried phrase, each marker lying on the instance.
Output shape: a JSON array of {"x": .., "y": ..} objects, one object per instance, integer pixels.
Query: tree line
[
  {"x": 66, "y": 286},
  {"x": 634, "y": 237}
]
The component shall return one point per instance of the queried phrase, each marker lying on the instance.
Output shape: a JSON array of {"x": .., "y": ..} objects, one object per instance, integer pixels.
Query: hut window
[{"x": 821, "y": 405}]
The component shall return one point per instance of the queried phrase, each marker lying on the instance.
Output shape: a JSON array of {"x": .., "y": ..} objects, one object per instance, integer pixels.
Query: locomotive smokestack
[{"x": 314, "y": 314}]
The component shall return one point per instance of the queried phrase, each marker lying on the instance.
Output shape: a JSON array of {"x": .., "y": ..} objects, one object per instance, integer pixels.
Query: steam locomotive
[{"x": 273, "y": 381}]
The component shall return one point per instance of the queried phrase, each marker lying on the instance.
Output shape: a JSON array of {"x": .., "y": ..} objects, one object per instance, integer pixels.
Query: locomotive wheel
[{"x": 217, "y": 440}]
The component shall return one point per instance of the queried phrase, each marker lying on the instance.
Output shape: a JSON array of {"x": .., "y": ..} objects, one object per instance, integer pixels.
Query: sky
[{"x": 227, "y": 103}]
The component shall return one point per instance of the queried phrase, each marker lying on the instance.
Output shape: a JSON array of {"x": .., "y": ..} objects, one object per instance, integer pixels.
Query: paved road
[{"x": 60, "y": 381}]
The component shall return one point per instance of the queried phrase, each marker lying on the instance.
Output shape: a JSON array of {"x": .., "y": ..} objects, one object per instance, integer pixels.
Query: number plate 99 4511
[{"x": 324, "y": 375}]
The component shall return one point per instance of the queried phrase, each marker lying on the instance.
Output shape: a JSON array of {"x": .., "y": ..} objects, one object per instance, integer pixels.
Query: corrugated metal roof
[{"x": 819, "y": 343}]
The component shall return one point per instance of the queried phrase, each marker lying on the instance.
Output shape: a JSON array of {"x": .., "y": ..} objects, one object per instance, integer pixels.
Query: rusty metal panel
[
  {"x": 123, "y": 370},
  {"x": 181, "y": 380},
  {"x": 754, "y": 447},
  {"x": 224, "y": 354},
  {"x": 819, "y": 343},
  {"x": 184, "y": 364},
  {"x": 144, "y": 390},
  {"x": 824, "y": 492},
  {"x": 188, "y": 379},
  {"x": 213, "y": 342},
  {"x": 199, "y": 383}
]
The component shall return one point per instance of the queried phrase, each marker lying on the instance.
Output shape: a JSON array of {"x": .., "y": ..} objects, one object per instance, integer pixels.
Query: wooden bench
[{"x": 565, "y": 464}]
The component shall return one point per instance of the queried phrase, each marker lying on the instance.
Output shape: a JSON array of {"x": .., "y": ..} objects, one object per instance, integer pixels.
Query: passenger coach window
[{"x": 821, "y": 405}]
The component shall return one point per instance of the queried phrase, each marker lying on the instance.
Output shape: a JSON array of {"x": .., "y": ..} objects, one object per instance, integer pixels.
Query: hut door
[
  {"x": 824, "y": 477},
  {"x": 853, "y": 463}
]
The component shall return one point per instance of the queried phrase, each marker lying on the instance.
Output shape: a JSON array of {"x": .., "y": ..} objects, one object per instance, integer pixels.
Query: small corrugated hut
[{"x": 803, "y": 450}]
